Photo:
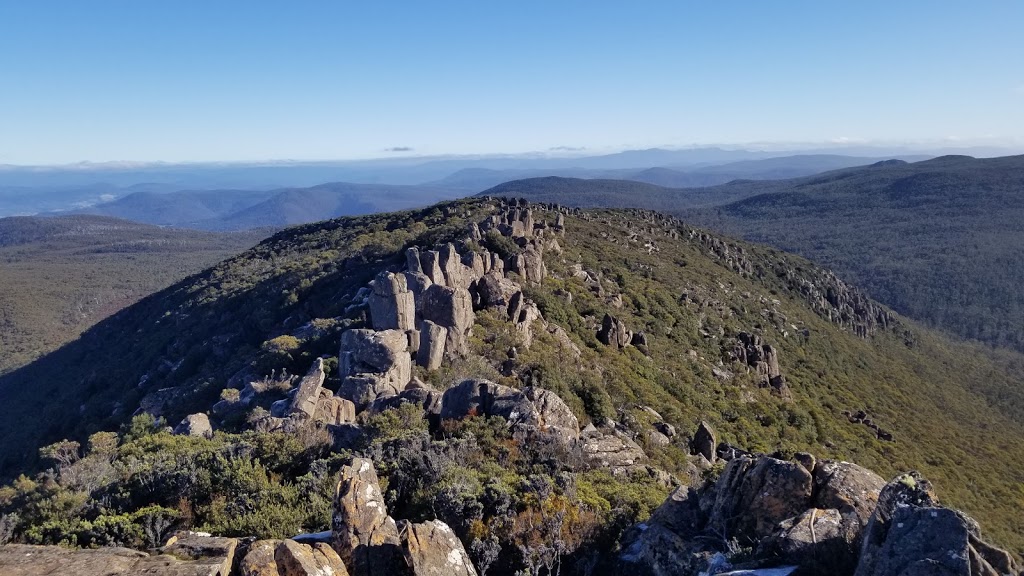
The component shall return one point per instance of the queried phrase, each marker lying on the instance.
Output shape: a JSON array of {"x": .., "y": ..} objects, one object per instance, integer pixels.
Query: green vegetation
[
  {"x": 939, "y": 241},
  {"x": 62, "y": 275},
  {"x": 955, "y": 413}
]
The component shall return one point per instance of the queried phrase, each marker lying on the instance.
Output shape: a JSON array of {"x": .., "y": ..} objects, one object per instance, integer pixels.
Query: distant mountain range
[
  {"x": 680, "y": 177},
  {"x": 28, "y": 190},
  {"x": 246, "y": 209},
  {"x": 940, "y": 240},
  {"x": 238, "y": 208}
]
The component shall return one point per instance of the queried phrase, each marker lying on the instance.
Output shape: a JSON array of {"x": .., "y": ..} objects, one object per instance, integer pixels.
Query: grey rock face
[
  {"x": 611, "y": 449},
  {"x": 704, "y": 442},
  {"x": 753, "y": 496},
  {"x": 614, "y": 333},
  {"x": 451, "y": 308},
  {"x": 432, "y": 343},
  {"x": 528, "y": 411},
  {"x": 307, "y": 395},
  {"x": 372, "y": 364},
  {"x": 392, "y": 304},
  {"x": 334, "y": 410},
  {"x": 910, "y": 534}
]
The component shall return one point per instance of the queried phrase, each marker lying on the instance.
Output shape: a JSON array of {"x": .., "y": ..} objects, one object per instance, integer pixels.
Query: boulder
[
  {"x": 664, "y": 545},
  {"x": 613, "y": 332},
  {"x": 210, "y": 554},
  {"x": 307, "y": 394},
  {"x": 334, "y": 410},
  {"x": 365, "y": 537},
  {"x": 493, "y": 289},
  {"x": 195, "y": 425},
  {"x": 294, "y": 559},
  {"x": 754, "y": 494},
  {"x": 611, "y": 449},
  {"x": 372, "y": 364},
  {"x": 259, "y": 560},
  {"x": 432, "y": 343},
  {"x": 418, "y": 394},
  {"x": 848, "y": 488},
  {"x": 392, "y": 304},
  {"x": 704, "y": 442},
  {"x": 908, "y": 533},
  {"x": 432, "y": 549},
  {"x": 818, "y": 541},
  {"x": 291, "y": 558}
]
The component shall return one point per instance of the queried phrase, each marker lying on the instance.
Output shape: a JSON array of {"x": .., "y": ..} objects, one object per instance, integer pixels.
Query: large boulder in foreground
[
  {"x": 432, "y": 549},
  {"x": 362, "y": 533},
  {"x": 807, "y": 514},
  {"x": 291, "y": 558},
  {"x": 754, "y": 494},
  {"x": 909, "y": 534},
  {"x": 188, "y": 554},
  {"x": 371, "y": 543}
]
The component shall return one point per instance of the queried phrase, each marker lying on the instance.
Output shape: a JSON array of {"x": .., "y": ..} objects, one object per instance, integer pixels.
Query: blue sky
[{"x": 221, "y": 80}]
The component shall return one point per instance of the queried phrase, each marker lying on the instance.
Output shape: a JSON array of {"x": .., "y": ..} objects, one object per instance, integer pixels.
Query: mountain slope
[
  {"x": 61, "y": 275},
  {"x": 938, "y": 240},
  {"x": 224, "y": 210},
  {"x": 179, "y": 208},
  {"x": 706, "y": 306}
]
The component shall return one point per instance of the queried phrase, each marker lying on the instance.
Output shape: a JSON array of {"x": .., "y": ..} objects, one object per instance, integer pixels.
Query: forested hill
[
  {"x": 59, "y": 276},
  {"x": 630, "y": 321},
  {"x": 941, "y": 240}
]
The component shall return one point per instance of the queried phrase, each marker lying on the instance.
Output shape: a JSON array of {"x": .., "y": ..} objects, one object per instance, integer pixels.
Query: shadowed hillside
[{"x": 61, "y": 275}]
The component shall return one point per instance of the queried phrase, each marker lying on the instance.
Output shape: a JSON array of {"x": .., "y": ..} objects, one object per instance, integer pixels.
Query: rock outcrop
[
  {"x": 363, "y": 534},
  {"x": 432, "y": 344},
  {"x": 529, "y": 412},
  {"x": 432, "y": 549},
  {"x": 909, "y": 533},
  {"x": 782, "y": 511},
  {"x": 704, "y": 442},
  {"x": 307, "y": 396},
  {"x": 188, "y": 554},
  {"x": 392, "y": 304},
  {"x": 372, "y": 364},
  {"x": 451, "y": 308},
  {"x": 752, "y": 351},
  {"x": 291, "y": 558},
  {"x": 371, "y": 543},
  {"x": 614, "y": 333}
]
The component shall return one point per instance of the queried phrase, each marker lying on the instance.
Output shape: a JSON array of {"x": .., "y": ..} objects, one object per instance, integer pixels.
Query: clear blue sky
[{"x": 221, "y": 80}]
